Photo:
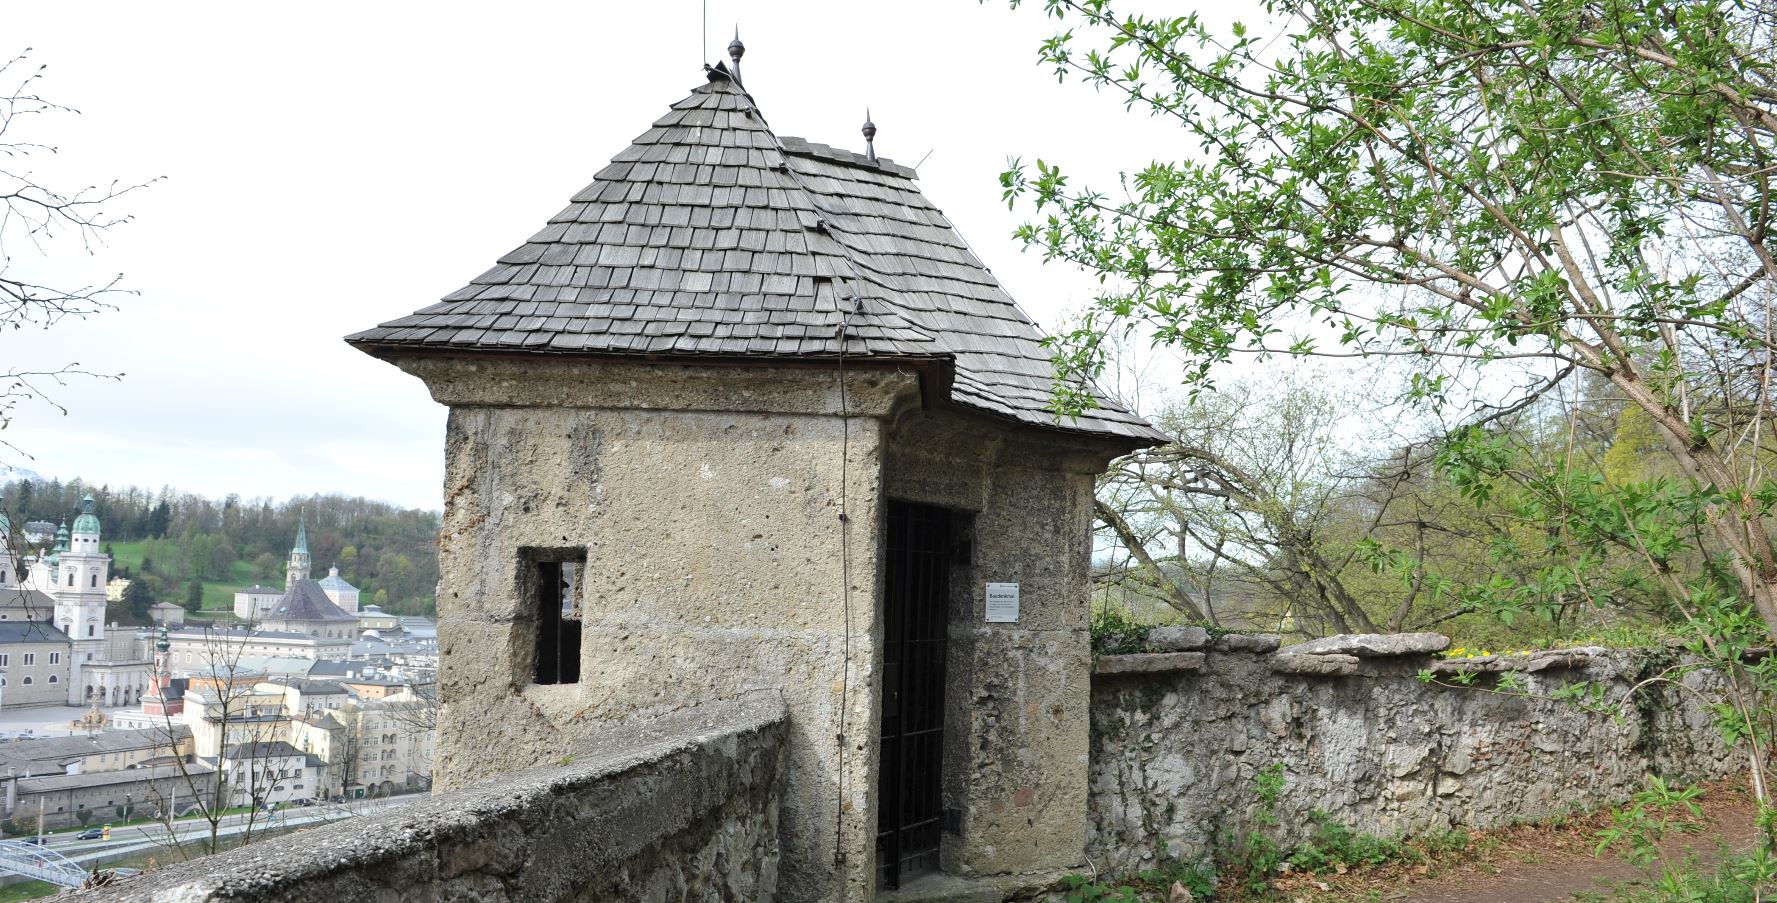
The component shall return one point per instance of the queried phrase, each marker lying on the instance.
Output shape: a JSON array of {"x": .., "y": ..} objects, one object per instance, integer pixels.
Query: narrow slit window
[{"x": 553, "y": 584}]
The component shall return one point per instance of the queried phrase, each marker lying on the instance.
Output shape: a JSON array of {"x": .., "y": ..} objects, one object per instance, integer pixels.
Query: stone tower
[
  {"x": 749, "y": 415},
  {"x": 9, "y": 571},
  {"x": 160, "y": 700},
  {"x": 298, "y": 566},
  {"x": 81, "y": 572}
]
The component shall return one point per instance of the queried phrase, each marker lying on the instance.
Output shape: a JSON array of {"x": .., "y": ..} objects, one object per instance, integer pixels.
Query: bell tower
[
  {"x": 80, "y": 574},
  {"x": 9, "y": 562},
  {"x": 298, "y": 566},
  {"x": 156, "y": 701}
]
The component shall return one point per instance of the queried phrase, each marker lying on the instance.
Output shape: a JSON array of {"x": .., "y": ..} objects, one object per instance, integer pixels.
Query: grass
[
  {"x": 218, "y": 594},
  {"x": 1564, "y": 844},
  {"x": 27, "y": 890},
  {"x": 208, "y": 616},
  {"x": 1339, "y": 865}
]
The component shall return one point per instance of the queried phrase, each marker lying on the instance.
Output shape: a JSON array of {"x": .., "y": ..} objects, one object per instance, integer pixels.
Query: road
[{"x": 152, "y": 839}]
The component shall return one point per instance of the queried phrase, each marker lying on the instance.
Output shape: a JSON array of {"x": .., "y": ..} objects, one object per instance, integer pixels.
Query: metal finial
[
  {"x": 869, "y": 136},
  {"x": 736, "y": 50}
]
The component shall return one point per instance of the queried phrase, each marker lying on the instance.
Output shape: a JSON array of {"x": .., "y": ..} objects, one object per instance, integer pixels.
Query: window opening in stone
[{"x": 553, "y": 584}]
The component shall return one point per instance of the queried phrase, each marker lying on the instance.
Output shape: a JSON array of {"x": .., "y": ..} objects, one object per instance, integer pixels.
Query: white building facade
[{"x": 91, "y": 660}]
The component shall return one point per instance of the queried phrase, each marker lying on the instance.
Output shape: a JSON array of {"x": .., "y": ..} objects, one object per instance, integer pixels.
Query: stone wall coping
[
  {"x": 1147, "y": 663},
  {"x": 1326, "y": 664},
  {"x": 432, "y": 839},
  {"x": 1340, "y": 655},
  {"x": 1177, "y": 639},
  {"x": 1256, "y": 643},
  {"x": 1578, "y": 657},
  {"x": 1372, "y": 645}
]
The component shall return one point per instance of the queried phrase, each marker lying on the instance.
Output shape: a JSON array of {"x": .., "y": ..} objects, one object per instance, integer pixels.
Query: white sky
[{"x": 329, "y": 166}]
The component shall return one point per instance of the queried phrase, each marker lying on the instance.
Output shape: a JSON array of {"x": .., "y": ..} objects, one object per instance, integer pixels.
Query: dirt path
[{"x": 1538, "y": 864}]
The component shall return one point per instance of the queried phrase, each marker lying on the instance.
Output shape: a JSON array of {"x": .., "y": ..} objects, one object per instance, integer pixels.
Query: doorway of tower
[{"x": 916, "y": 613}]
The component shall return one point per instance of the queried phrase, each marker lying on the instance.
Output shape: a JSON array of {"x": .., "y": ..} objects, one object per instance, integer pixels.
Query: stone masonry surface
[
  {"x": 707, "y": 503},
  {"x": 1175, "y": 749},
  {"x": 684, "y": 807}
]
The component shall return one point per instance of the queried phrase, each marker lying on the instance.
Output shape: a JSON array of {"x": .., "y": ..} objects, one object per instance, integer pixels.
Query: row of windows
[
  {"x": 272, "y": 774},
  {"x": 27, "y": 681},
  {"x": 55, "y": 658},
  {"x": 6, "y": 577}
]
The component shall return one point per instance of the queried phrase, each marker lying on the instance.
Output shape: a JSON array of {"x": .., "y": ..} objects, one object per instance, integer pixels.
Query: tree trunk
[{"x": 1736, "y": 523}]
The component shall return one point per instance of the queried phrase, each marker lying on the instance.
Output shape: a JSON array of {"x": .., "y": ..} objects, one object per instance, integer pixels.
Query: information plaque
[{"x": 1002, "y": 603}]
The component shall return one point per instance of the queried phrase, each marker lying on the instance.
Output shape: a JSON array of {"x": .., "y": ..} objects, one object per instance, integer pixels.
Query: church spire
[
  {"x": 298, "y": 568},
  {"x": 302, "y": 534}
]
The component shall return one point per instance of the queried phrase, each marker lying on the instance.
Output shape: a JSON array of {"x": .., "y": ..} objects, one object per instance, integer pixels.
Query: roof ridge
[
  {"x": 825, "y": 225},
  {"x": 802, "y": 147}
]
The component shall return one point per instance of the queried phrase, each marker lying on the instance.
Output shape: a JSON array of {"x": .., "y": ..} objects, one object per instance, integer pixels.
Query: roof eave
[
  {"x": 938, "y": 366},
  {"x": 390, "y": 351},
  {"x": 1127, "y": 443}
]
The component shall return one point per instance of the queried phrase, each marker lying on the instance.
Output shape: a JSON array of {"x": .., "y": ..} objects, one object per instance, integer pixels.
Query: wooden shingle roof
[{"x": 711, "y": 237}]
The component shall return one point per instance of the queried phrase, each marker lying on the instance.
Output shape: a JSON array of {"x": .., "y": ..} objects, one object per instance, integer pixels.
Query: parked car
[{"x": 90, "y": 834}]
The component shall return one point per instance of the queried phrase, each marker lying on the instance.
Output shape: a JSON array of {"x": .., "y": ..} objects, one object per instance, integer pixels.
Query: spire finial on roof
[
  {"x": 869, "y": 136},
  {"x": 736, "y": 50}
]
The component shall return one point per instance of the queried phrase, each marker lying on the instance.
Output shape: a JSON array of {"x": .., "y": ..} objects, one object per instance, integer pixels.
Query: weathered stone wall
[
  {"x": 1177, "y": 741},
  {"x": 680, "y": 808},
  {"x": 1016, "y": 722},
  {"x": 708, "y": 501}
]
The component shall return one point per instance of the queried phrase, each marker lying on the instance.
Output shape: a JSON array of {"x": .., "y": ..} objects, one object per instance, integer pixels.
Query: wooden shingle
[{"x": 712, "y": 236}]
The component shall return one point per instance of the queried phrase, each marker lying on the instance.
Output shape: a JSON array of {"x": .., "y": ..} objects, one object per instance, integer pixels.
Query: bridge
[{"x": 40, "y": 862}]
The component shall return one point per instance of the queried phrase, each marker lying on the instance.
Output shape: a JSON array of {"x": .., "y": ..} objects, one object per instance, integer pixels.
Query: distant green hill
[
  {"x": 218, "y": 594},
  {"x": 180, "y": 539}
]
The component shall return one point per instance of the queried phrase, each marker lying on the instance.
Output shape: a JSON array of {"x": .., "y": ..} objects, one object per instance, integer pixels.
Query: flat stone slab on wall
[
  {"x": 684, "y": 807},
  {"x": 1372, "y": 645},
  {"x": 1177, "y": 639},
  {"x": 1147, "y": 664},
  {"x": 1365, "y": 741}
]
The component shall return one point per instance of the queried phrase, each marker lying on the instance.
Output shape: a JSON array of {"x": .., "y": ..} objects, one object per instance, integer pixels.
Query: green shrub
[
  {"x": 1078, "y": 889},
  {"x": 1115, "y": 632},
  {"x": 1334, "y": 845}
]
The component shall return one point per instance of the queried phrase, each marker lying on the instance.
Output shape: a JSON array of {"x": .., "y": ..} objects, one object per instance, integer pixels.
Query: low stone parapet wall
[
  {"x": 1180, "y": 737},
  {"x": 680, "y": 808}
]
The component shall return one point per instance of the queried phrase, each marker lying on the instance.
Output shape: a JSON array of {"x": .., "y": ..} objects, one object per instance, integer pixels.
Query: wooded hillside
[{"x": 182, "y": 539}]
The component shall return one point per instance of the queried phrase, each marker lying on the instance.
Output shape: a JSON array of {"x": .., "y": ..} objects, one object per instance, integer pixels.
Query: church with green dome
[{"x": 55, "y": 647}]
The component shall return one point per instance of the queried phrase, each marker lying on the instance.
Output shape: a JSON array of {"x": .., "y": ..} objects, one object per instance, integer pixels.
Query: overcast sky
[{"x": 330, "y": 166}]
